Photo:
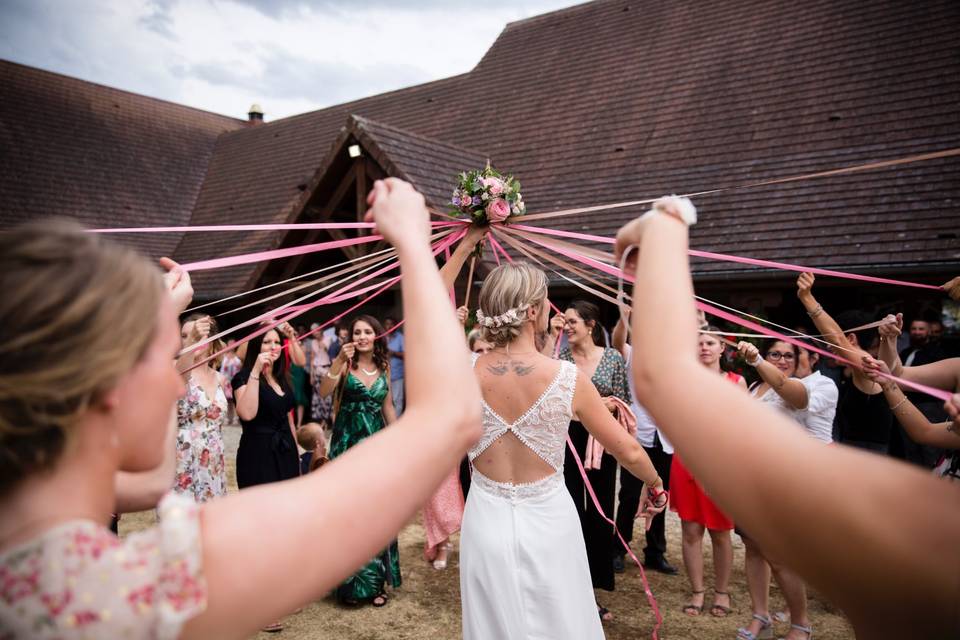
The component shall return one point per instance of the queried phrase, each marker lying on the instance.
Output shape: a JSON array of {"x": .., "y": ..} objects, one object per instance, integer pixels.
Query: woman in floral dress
[
  {"x": 201, "y": 412},
  {"x": 321, "y": 407}
]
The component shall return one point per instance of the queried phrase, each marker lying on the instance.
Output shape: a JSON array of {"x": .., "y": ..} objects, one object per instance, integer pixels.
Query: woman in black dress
[
  {"x": 608, "y": 372},
  {"x": 264, "y": 396}
]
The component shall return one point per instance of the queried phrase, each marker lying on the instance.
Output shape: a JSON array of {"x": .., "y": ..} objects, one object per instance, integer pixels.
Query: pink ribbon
[
  {"x": 299, "y": 226},
  {"x": 643, "y": 574},
  {"x": 339, "y": 296},
  {"x": 617, "y": 273},
  {"x": 261, "y": 256},
  {"x": 738, "y": 259}
]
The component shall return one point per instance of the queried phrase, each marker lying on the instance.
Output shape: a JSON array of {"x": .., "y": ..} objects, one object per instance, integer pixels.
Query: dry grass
[{"x": 428, "y": 603}]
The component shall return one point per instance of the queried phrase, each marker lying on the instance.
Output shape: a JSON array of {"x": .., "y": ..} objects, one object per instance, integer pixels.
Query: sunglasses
[{"x": 773, "y": 356}]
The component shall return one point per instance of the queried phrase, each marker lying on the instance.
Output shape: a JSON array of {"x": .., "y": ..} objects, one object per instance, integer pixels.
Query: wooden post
[{"x": 466, "y": 299}]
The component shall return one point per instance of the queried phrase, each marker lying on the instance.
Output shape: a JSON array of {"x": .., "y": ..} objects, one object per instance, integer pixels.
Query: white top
[
  {"x": 543, "y": 427},
  {"x": 822, "y": 397},
  {"x": 773, "y": 399},
  {"x": 646, "y": 427}
]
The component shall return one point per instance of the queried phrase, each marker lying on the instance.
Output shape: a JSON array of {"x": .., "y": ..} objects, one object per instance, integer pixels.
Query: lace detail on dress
[
  {"x": 518, "y": 492},
  {"x": 542, "y": 427}
]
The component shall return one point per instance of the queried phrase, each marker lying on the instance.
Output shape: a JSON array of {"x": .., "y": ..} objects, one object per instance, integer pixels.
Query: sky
[{"x": 289, "y": 56}]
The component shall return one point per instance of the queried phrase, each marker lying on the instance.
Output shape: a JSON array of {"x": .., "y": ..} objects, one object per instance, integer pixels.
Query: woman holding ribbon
[
  {"x": 519, "y": 520},
  {"x": 815, "y": 508},
  {"x": 607, "y": 371},
  {"x": 100, "y": 326},
  {"x": 201, "y": 414},
  {"x": 779, "y": 388},
  {"x": 359, "y": 377},
  {"x": 698, "y": 513},
  {"x": 268, "y": 444}
]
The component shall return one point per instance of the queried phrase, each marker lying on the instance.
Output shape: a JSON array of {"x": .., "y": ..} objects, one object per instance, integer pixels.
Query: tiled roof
[
  {"x": 103, "y": 156},
  {"x": 627, "y": 99},
  {"x": 430, "y": 165}
]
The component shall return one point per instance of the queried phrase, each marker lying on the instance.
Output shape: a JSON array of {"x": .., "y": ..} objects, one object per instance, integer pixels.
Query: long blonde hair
[
  {"x": 507, "y": 292},
  {"x": 77, "y": 312}
]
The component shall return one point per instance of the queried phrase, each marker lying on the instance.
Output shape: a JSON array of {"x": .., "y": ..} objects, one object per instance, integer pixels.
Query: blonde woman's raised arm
[
  {"x": 819, "y": 509},
  {"x": 258, "y": 573}
]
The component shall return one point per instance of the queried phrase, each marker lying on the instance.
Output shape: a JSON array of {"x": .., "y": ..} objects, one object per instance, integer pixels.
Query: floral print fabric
[
  {"x": 610, "y": 378},
  {"x": 201, "y": 468},
  {"x": 79, "y": 580}
]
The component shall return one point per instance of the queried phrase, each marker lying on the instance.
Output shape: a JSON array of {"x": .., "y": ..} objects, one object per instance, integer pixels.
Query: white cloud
[{"x": 290, "y": 56}]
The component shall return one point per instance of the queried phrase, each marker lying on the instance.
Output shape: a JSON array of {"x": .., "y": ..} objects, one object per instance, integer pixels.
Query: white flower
[{"x": 485, "y": 196}]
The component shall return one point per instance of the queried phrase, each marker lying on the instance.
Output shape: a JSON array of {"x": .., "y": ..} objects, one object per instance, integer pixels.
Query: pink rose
[
  {"x": 498, "y": 210},
  {"x": 494, "y": 184}
]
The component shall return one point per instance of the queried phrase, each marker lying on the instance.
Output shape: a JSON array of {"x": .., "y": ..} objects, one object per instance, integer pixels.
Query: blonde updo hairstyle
[
  {"x": 507, "y": 292},
  {"x": 76, "y": 314}
]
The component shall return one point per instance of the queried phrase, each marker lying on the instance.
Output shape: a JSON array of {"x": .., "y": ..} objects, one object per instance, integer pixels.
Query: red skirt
[{"x": 691, "y": 503}]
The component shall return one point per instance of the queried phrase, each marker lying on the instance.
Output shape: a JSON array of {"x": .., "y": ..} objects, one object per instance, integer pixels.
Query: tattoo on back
[
  {"x": 502, "y": 367},
  {"x": 521, "y": 370},
  {"x": 498, "y": 369}
]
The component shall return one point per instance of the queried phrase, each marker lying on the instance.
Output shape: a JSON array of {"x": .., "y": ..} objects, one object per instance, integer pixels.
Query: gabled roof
[
  {"x": 103, "y": 156},
  {"x": 431, "y": 166}
]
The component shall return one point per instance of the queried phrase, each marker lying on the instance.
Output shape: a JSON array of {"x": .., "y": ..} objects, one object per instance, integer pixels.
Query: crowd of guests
[{"x": 80, "y": 441}]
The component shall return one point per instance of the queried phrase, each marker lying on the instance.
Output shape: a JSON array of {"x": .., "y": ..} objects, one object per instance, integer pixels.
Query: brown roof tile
[{"x": 105, "y": 157}]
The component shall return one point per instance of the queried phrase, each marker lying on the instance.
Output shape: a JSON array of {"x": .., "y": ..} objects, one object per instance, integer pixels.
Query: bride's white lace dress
[{"x": 523, "y": 564}]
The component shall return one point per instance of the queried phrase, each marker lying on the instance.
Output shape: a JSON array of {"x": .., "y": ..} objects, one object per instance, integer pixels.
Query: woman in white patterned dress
[
  {"x": 523, "y": 567},
  {"x": 201, "y": 413}
]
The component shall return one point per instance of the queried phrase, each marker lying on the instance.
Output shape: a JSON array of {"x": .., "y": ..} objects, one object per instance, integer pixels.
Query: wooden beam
[{"x": 325, "y": 212}]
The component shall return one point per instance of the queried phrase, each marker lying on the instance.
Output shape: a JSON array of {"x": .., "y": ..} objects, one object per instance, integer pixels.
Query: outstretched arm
[
  {"x": 366, "y": 494},
  {"x": 833, "y": 333},
  {"x": 813, "y": 507},
  {"x": 916, "y": 424},
  {"x": 790, "y": 389}
]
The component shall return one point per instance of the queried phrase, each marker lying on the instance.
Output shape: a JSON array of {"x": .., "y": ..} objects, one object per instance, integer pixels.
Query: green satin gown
[{"x": 361, "y": 416}]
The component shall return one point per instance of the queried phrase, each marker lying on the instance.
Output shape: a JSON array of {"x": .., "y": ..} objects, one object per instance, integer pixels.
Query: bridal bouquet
[{"x": 487, "y": 196}]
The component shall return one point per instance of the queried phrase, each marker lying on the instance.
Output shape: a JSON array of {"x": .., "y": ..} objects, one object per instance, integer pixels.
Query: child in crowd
[{"x": 310, "y": 437}]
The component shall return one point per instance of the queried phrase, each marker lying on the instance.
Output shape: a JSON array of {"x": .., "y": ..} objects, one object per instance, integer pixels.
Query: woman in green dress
[{"x": 363, "y": 405}]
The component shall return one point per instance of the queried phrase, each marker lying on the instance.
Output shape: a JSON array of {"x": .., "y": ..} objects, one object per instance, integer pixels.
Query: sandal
[
  {"x": 605, "y": 615},
  {"x": 379, "y": 600},
  {"x": 441, "y": 563},
  {"x": 800, "y": 627},
  {"x": 275, "y": 627},
  {"x": 718, "y": 610},
  {"x": 765, "y": 633},
  {"x": 691, "y": 609}
]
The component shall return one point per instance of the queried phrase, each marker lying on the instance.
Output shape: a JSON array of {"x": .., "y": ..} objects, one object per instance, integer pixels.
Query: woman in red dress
[{"x": 698, "y": 512}]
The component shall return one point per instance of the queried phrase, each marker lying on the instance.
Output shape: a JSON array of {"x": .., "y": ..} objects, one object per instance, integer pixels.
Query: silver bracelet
[
  {"x": 898, "y": 405},
  {"x": 816, "y": 312}
]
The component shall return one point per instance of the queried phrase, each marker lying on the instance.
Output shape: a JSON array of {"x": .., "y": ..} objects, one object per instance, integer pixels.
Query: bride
[{"x": 523, "y": 567}]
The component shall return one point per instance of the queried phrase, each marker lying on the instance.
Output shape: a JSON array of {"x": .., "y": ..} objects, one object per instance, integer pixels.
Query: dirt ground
[{"x": 428, "y": 603}]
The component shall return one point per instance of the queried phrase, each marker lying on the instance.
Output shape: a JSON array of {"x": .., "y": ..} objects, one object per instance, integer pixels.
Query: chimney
[{"x": 255, "y": 115}]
